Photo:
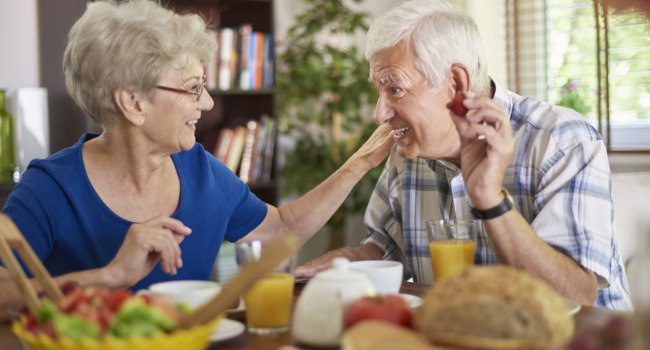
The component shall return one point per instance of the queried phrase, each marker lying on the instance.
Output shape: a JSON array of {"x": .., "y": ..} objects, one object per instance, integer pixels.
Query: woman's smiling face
[
  {"x": 174, "y": 114},
  {"x": 417, "y": 113}
]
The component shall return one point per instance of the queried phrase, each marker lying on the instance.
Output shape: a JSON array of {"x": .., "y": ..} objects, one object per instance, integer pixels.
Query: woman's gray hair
[
  {"x": 438, "y": 34},
  {"x": 128, "y": 45}
]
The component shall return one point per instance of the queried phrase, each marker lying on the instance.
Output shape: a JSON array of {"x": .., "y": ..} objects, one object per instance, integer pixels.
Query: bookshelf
[{"x": 235, "y": 106}]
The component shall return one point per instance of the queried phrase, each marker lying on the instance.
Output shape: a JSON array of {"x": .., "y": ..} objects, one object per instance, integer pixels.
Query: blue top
[{"x": 71, "y": 229}]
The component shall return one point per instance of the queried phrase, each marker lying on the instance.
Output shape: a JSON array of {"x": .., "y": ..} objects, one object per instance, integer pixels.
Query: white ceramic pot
[{"x": 318, "y": 318}]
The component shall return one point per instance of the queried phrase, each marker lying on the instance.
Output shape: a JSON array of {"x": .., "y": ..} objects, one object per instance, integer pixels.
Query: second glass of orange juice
[
  {"x": 268, "y": 301},
  {"x": 452, "y": 244}
]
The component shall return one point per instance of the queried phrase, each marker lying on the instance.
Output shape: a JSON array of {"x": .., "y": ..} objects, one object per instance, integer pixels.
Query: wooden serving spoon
[
  {"x": 10, "y": 238},
  {"x": 273, "y": 254}
]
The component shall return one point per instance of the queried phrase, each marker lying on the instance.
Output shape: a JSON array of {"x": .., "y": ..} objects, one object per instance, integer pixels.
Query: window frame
[{"x": 526, "y": 21}]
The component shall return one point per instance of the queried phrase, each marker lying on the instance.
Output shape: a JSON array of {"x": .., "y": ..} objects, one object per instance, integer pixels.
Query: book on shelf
[
  {"x": 212, "y": 67},
  {"x": 267, "y": 61},
  {"x": 245, "y": 31},
  {"x": 258, "y": 151},
  {"x": 248, "y": 149},
  {"x": 236, "y": 148},
  {"x": 226, "y": 36},
  {"x": 244, "y": 59},
  {"x": 259, "y": 53},
  {"x": 234, "y": 59},
  {"x": 270, "y": 131},
  {"x": 230, "y": 145},
  {"x": 247, "y": 153},
  {"x": 223, "y": 144}
]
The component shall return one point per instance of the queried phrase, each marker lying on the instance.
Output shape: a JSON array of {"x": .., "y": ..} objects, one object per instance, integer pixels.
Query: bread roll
[
  {"x": 378, "y": 335},
  {"x": 494, "y": 307}
]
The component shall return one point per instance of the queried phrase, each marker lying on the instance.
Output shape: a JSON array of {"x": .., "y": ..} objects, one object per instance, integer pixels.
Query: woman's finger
[{"x": 169, "y": 223}]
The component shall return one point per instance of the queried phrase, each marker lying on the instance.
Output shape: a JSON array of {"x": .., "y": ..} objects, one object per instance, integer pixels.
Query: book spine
[
  {"x": 258, "y": 153},
  {"x": 259, "y": 56},
  {"x": 267, "y": 64},
  {"x": 234, "y": 59},
  {"x": 225, "y": 50},
  {"x": 212, "y": 66},
  {"x": 244, "y": 67},
  {"x": 269, "y": 149},
  {"x": 247, "y": 154},
  {"x": 223, "y": 144},
  {"x": 236, "y": 148}
]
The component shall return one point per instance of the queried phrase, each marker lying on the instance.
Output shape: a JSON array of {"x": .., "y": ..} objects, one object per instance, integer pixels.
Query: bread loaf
[
  {"x": 380, "y": 335},
  {"x": 494, "y": 307}
]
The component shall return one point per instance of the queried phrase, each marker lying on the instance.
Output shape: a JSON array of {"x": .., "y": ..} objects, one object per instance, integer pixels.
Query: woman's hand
[
  {"x": 376, "y": 148},
  {"x": 145, "y": 244},
  {"x": 486, "y": 147}
]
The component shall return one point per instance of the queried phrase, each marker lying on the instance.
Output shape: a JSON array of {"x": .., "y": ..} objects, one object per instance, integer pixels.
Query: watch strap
[{"x": 505, "y": 206}]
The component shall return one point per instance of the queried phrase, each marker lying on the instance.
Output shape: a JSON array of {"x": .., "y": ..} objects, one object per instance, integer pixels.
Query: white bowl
[
  {"x": 386, "y": 275},
  {"x": 193, "y": 293}
]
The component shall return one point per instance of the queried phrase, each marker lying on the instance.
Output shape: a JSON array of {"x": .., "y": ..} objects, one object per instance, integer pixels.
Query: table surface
[{"x": 587, "y": 316}]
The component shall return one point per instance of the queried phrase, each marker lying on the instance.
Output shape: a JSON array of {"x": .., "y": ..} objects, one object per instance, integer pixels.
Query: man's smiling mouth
[{"x": 401, "y": 131}]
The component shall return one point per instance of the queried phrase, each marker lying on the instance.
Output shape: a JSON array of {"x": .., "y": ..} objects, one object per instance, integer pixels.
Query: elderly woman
[{"x": 142, "y": 201}]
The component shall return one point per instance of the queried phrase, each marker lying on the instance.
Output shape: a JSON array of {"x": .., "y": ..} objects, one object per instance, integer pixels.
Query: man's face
[{"x": 416, "y": 112}]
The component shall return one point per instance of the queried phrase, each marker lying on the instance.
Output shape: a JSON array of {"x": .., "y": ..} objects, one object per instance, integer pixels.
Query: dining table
[{"x": 587, "y": 316}]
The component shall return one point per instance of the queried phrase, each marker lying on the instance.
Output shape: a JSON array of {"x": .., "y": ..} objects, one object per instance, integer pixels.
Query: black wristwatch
[{"x": 496, "y": 211}]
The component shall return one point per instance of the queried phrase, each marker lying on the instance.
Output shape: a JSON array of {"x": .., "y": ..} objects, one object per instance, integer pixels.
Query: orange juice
[
  {"x": 451, "y": 256},
  {"x": 268, "y": 302}
]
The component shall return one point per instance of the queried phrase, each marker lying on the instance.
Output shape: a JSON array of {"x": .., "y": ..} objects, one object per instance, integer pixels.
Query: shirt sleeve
[
  {"x": 575, "y": 207},
  {"x": 244, "y": 209},
  {"x": 29, "y": 206}
]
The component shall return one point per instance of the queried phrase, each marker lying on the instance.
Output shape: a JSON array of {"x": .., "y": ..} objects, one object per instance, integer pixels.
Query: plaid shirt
[{"x": 560, "y": 180}]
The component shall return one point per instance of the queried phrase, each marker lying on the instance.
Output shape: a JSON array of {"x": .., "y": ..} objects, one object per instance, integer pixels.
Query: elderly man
[{"x": 557, "y": 222}]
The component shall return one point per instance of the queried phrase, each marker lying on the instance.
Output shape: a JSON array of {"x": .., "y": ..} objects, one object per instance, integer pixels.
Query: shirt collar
[{"x": 502, "y": 97}]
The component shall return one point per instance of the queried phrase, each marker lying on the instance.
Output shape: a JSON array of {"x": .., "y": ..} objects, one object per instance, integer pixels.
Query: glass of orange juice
[
  {"x": 452, "y": 244},
  {"x": 268, "y": 301}
]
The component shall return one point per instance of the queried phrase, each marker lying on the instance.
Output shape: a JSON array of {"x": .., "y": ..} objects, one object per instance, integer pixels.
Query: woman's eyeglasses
[{"x": 196, "y": 91}]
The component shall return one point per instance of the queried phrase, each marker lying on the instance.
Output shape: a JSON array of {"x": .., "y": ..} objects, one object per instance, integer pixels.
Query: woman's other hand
[{"x": 145, "y": 244}]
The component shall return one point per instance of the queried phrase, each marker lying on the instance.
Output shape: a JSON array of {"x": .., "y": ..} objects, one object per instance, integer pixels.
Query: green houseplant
[{"x": 325, "y": 102}]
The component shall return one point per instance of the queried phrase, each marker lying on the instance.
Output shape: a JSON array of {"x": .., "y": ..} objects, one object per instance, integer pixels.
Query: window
[{"x": 591, "y": 58}]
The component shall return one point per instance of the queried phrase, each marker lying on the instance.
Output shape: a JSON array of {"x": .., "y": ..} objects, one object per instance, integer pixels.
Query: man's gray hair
[{"x": 439, "y": 36}]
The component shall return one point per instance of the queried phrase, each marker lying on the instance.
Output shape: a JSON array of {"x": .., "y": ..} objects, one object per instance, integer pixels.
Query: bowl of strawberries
[{"x": 106, "y": 319}]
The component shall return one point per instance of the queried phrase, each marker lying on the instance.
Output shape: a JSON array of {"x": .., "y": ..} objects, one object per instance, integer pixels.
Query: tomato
[
  {"x": 69, "y": 286},
  {"x": 73, "y": 300},
  {"x": 115, "y": 299},
  {"x": 389, "y": 308}
]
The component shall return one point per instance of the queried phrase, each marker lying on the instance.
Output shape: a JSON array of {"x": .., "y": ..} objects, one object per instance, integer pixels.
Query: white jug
[{"x": 318, "y": 319}]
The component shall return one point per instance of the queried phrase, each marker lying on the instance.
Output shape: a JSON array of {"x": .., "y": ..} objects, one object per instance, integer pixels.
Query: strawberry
[{"x": 456, "y": 104}]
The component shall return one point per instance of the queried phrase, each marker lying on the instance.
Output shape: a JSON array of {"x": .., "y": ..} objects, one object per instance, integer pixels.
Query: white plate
[
  {"x": 572, "y": 306},
  {"x": 227, "y": 329},
  {"x": 413, "y": 300}
]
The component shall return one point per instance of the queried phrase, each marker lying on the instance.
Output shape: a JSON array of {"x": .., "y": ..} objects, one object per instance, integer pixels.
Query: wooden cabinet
[{"x": 235, "y": 106}]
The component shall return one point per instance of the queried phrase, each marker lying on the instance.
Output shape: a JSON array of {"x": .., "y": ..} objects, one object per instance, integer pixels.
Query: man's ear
[
  {"x": 130, "y": 106},
  {"x": 460, "y": 78}
]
